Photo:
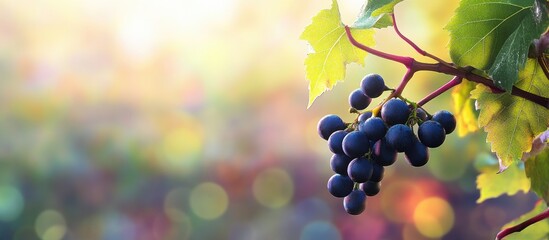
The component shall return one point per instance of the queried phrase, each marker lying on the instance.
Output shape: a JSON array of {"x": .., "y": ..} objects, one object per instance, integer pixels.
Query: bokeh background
[{"x": 167, "y": 119}]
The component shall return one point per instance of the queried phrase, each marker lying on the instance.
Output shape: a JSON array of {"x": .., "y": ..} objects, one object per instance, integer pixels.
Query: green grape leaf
[
  {"x": 332, "y": 50},
  {"x": 536, "y": 231},
  {"x": 493, "y": 184},
  {"x": 513, "y": 122},
  {"x": 376, "y": 14},
  {"x": 537, "y": 169},
  {"x": 494, "y": 35},
  {"x": 464, "y": 108}
]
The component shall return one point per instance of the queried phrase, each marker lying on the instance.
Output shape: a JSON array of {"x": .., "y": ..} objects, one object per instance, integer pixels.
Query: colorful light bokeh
[{"x": 174, "y": 119}]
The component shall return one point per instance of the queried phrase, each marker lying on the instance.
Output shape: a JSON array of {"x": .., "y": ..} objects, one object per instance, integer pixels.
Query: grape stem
[
  {"x": 414, "y": 66},
  {"x": 415, "y": 46},
  {"x": 519, "y": 227},
  {"x": 452, "y": 83}
]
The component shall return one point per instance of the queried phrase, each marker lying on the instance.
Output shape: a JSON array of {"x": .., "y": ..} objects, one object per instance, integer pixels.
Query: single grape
[
  {"x": 395, "y": 111},
  {"x": 377, "y": 172},
  {"x": 360, "y": 169},
  {"x": 356, "y": 144},
  {"x": 340, "y": 185},
  {"x": 364, "y": 116},
  {"x": 329, "y": 124},
  {"x": 339, "y": 163},
  {"x": 400, "y": 137},
  {"x": 371, "y": 188},
  {"x": 372, "y": 85},
  {"x": 383, "y": 153},
  {"x": 421, "y": 114},
  {"x": 431, "y": 134},
  {"x": 355, "y": 202},
  {"x": 358, "y": 100},
  {"x": 417, "y": 155},
  {"x": 374, "y": 128},
  {"x": 446, "y": 119},
  {"x": 335, "y": 141}
]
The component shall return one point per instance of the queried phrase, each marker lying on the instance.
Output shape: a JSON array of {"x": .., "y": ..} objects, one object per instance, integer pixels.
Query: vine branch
[
  {"x": 519, "y": 227},
  {"x": 452, "y": 83},
  {"x": 414, "y": 66},
  {"x": 415, "y": 46}
]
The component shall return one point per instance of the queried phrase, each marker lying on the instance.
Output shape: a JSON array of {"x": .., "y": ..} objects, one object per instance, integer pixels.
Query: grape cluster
[{"x": 362, "y": 149}]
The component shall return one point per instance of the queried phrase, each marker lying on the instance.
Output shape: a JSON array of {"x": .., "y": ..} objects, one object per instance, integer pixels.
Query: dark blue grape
[
  {"x": 374, "y": 128},
  {"x": 329, "y": 124},
  {"x": 360, "y": 169},
  {"x": 400, "y": 137},
  {"x": 421, "y": 114},
  {"x": 355, "y": 202},
  {"x": 339, "y": 163},
  {"x": 431, "y": 134},
  {"x": 395, "y": 111},
  {"x": 418, "y": 155},
  {"x": 384, "y": 154},
  {"x": 370, "y": 188},
  {"x": 372, "y": 85},
  {"x": 358, "y": 100},
  {"x": 340, "y": 185},
  {"x": 446, "y": 119},
  {"x": 377, "y": 172},
  {"x": 335, "y": 141},
  {"x": 364, "y": 116},
  {"x": 356, "y": 144}
]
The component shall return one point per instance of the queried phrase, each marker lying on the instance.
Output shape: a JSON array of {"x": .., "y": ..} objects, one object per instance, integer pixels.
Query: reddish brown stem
[
  {"x": 406, "y": 61},
  {"x": 544, "y": 66},
  {"x": 519, "y": 227},
  {"x": 415, "y": 46},
  {"x": 466, "y": 73},
  {"x": 452, "y": 83}
]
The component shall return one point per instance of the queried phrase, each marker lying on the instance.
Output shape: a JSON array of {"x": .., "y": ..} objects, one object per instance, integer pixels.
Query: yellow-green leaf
[
  {"x": 513, "y": 122},
  {"x": 495, "y": 35},
  {"x": 332, "y": 51},
  {"x": 536, "y": 231},
  {"x": 493, "y": 184},
  {"x": 466, "y": 116},
  {"x": 376, "y": 14},
  {"x": 537, "y": 169}
]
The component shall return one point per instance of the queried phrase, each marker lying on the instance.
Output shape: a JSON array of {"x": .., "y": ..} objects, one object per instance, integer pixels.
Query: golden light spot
[
  {"x": 209, "y": 200},
  {"x": 50, "y": 225},
  {"x": 399, "y": 199},
  {"x": 273, "y": 188},
  {"x": 434, "y": 217},
  {"x": 409, "y": 232}
]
